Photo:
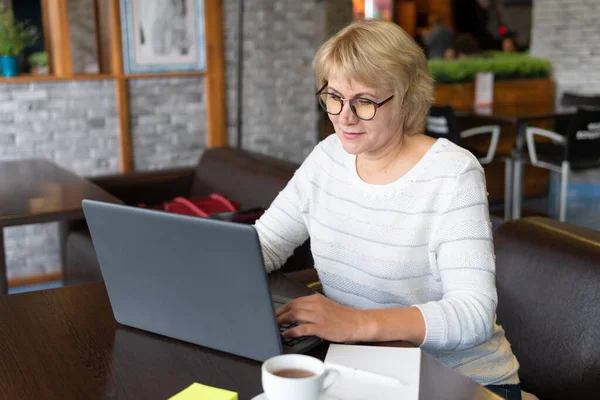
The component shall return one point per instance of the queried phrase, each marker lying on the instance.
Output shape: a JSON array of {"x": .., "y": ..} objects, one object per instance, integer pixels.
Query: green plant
[
  {"x": 39, "y": 59},
  {"x": 15, "y": 35},
  {"x": 504, "y": 67}
]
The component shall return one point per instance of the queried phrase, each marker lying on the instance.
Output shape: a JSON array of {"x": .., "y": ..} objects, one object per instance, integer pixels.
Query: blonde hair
[{"x": 381, "y": 54}]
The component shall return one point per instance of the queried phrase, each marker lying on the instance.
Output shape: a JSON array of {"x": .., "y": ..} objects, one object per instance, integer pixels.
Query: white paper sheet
[
  {"x": 484, "y": 89},
  {"x": 368, "y": 372}
]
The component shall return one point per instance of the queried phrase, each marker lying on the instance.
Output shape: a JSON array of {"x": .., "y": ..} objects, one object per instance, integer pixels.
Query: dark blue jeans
[{"x": 507, "y": 392}]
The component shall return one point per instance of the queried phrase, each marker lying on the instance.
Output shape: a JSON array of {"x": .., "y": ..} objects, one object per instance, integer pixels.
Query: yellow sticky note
[{"x": 197, "y": 391}]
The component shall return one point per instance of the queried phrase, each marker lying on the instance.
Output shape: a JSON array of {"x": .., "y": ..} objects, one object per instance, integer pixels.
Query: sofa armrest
[
  {"x": 147, "y": 187},
  {"x": 548, "y": 280}
]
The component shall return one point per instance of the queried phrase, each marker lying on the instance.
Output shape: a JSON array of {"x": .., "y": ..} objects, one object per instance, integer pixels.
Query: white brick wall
[
  {"x": 567, "y": 33},
  {"x": 71, "y": 123},
  {"x": 167, "y": 130}
]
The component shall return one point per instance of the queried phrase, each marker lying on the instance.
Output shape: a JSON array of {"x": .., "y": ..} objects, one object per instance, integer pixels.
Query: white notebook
[{"x": 369, "y": 372}]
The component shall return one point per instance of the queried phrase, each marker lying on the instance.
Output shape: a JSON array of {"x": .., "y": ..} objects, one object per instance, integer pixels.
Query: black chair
[
  {"x": 573, "y": 100},
  {"x": 577, "y": 149},
  {"x": 441, "y": 123},
  {"x": 569, "y": 99}
]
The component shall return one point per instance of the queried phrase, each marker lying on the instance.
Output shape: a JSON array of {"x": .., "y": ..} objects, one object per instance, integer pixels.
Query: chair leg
[
  {"x": 517, "y": 189},
  {"x": 556, "y": 177},
  {"x": 564, "y": 186},
  {"x": 508, "y": 182}
]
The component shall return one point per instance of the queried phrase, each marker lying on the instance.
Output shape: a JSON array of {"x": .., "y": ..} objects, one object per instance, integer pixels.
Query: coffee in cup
[
  {"x": 296, "y": 377},
  {"x": 294, "y": 373}
]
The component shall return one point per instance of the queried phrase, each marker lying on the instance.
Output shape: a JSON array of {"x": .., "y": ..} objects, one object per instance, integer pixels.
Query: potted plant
[
  {"x": 15, "y": 36},
  {"x": 504, "y": 67},
  {"x": 39, "y": 63}
]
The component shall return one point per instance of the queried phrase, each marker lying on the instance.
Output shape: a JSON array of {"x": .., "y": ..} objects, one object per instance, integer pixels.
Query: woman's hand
[{"x": 319, "y": 316}]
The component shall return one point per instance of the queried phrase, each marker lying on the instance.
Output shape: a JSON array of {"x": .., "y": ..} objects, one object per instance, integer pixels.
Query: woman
[{"x": 398, "y": 221}]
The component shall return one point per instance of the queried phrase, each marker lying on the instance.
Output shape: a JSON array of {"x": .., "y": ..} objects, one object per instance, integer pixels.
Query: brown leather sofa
[
  {"x": 253, "y": 180},
  {"x": 548, "y": 280}
]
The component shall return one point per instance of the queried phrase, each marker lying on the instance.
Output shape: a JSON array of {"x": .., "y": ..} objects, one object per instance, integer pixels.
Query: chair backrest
[
  {"x": 583, "y": 138},
  {"x": 441, "y": 123},
  {"x": 548, "y": 282},
  {"x": 569, "y": 99},
  {"x": 252, "y": 179}
]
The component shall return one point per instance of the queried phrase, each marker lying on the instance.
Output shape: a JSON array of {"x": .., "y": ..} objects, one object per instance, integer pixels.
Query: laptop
[{"x": 194, "y": 279}]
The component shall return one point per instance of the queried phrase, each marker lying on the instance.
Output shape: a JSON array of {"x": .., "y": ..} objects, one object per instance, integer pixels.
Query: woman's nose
[{"x": 346, "y": 116}]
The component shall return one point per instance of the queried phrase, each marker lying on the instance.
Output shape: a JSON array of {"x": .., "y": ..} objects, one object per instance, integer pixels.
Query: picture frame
[{"x": 163, "y": 36}]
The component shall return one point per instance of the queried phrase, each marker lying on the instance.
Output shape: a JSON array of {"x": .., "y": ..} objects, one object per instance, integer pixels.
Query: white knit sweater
[{"x": 423, "y": 240}]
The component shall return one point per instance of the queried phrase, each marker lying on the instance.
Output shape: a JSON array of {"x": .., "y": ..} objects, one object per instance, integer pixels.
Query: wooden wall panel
[
  {"x": 105, "y": 36},
  {"x": 215, "y": 78},
  {"x": 406, "y": 16},
  {"x": 126, "y": 148},
  {"x": 443, "y": 8},
  {"x": 60, "y": 41}
]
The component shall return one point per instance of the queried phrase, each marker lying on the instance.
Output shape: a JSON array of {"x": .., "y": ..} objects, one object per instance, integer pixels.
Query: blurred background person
[
  {"x": 437, "y": 38},
  {"x": 465, "y": 45},
  {"x": 509, "y": 43}
]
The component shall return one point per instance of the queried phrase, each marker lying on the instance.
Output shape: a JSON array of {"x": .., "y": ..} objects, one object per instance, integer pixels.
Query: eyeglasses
[{"x": 362, "y": 108}]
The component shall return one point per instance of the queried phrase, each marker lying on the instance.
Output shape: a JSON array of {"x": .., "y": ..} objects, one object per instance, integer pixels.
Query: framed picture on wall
[{"x": 163, "y": 35}]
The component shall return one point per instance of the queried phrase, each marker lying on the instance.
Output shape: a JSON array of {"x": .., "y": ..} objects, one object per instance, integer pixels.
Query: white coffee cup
[{"x": 289, "y": 388}]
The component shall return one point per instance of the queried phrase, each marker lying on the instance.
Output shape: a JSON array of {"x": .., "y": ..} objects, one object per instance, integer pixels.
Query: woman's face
[{"x": 364, "y": 137}]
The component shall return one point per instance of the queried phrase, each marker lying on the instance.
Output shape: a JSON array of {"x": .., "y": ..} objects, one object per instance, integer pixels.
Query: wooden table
[
  {"x": 520, "y": 117},
  {"x": 34, "y": 191},
  {"x": 65, "y": 344}
]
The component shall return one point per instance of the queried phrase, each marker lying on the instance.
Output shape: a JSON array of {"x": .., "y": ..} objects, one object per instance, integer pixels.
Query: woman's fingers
[
  {"x": 305, "y": 303},
  {"x": 297, "y": 315},
  {"x": 302, "y": 330},
  {"x": 306, "y": 311}
]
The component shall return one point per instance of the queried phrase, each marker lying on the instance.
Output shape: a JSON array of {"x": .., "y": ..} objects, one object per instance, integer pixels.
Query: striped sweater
[{"x": 424, "y": 240}]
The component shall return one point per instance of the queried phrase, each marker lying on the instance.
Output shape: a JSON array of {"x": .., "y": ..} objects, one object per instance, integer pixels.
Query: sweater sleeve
[
  {"x": 464, "y": 253},
  {"x": 282, "y": 228}
]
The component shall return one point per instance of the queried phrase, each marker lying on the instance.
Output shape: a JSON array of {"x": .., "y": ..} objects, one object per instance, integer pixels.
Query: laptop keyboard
[{"x": 290, "y": 341}]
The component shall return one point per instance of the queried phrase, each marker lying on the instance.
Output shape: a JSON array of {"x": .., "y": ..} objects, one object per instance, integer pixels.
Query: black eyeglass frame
[{"x": 352, "y": 108}]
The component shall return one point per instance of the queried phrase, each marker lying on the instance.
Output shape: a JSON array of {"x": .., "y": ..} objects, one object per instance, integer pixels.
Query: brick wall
[
  {"x": 71, "y": 123},
  {"x": 567, "y": 33},
  {"x": 168, "y": 122}
]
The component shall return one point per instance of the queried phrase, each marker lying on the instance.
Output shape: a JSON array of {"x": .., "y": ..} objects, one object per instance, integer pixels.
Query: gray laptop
[{"x": 194, "y": 279}]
